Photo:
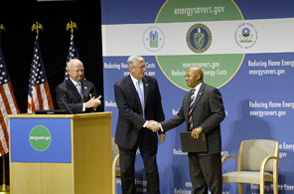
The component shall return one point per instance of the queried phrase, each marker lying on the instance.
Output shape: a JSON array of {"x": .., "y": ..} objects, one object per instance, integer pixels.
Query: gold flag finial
[
  {"x": 37, "y": 26},
  {"x": 1, "y": 28},
  {"x": 71, "y": 25}
]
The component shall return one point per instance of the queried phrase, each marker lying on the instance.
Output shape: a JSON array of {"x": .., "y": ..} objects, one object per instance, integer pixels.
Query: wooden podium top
[{"x": 82, "y": 115}]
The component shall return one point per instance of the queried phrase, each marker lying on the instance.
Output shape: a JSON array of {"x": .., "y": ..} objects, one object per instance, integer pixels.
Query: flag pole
[
  {"x": 72, "y": 51},
  {"x": 39, "y": 95},
  {"x": 4, "y": 188},
  {"x": 1, "y": 28}
]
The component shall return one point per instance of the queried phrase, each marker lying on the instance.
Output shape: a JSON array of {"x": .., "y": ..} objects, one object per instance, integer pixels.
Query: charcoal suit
[
  {"x": 68, "y": 97},
  {"x": 208, "y": 112},
  {"x": 130, "y": 133}
]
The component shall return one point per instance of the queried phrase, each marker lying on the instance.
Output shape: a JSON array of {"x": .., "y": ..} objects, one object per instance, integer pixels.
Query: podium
[{"x": 60, "y": 154}]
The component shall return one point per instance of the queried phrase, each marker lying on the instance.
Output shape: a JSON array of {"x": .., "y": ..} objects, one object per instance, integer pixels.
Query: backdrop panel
[{"x": 245, "y": 49}]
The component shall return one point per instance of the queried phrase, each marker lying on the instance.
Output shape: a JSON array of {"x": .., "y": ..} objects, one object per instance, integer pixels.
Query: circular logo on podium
[{"x": 40, "y": 138}]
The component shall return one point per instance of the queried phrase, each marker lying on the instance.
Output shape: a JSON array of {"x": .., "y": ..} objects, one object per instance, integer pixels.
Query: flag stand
[{"x": 4, "y": 189}]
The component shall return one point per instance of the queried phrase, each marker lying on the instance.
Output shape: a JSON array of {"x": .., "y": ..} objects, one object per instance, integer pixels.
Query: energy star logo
[
  {"x": 153, "y": 39},
  {"x": 246, "y": 35}
]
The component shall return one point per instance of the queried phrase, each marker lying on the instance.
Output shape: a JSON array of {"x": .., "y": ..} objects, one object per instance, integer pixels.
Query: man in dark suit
[
  {"x": 203, "y": 115},
  {"x": 134, "y": 117},
  {"x": 76, "y": 94}
]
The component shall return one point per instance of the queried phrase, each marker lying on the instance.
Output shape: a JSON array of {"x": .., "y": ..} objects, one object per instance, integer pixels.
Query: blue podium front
[
  {"x": 60, "y": 154},
  {"x": 40, "y": 140}
]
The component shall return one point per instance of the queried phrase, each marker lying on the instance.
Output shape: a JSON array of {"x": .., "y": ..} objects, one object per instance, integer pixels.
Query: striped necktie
[{"x": 192, "y": 101}]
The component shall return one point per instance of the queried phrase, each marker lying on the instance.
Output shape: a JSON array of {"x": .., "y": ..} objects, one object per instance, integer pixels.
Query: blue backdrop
[{"x": 250, "y": 60}]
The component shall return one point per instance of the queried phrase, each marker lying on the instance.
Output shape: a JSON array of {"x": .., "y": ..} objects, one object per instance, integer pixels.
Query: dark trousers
[
  {"x": 148, "y": 150},
  {"x": 205, "y": 172}
]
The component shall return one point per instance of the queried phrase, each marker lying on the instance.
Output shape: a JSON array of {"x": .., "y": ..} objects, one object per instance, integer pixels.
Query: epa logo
[
  {"x": 153, "y": 39},
  {"x": 246, "y": 35}
]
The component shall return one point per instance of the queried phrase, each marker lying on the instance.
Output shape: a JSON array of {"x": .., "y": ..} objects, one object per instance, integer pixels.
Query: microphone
[{"x": 68, "y": 109}]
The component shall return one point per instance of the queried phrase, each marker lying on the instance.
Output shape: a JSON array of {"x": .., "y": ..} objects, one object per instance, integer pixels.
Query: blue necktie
[
  {"x": 79, "y": 87},
  {"x": 140, "y": 93}
]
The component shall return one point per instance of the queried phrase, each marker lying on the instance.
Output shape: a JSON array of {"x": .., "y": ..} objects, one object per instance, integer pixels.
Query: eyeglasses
[{"x": 141, "y": 67}]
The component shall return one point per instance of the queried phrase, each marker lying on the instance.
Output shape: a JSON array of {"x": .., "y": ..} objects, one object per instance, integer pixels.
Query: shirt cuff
[
  {"x": 145, "y": 124},
  {"x": 84, "y": 107},
  {"x": 161, "y": 129}
]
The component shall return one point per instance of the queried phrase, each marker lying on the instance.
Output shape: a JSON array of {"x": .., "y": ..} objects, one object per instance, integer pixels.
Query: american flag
[
  {"x": 8, "y": 104},
  {"x": 72, "y": 53},
  {"x": 39, "y": 96}
]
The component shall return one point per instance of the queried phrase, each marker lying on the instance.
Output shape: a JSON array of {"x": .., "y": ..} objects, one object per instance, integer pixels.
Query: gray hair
[
  {"x": 132, "y": 61},
  {"x": 67, "y": 65}
]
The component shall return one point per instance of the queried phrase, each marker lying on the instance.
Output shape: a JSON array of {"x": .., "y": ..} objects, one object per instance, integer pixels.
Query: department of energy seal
[{"x": 199, "y": 38}]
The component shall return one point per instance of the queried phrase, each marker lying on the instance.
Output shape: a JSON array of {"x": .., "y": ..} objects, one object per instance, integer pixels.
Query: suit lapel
[
  {"x": 73, "y": 89},
  {"x": 85, "y": 89},
  {"x": 145, "y": 87},
  {"x": 187, "y": 104},
  {"x": 199, "y": 96},
  {"x": 133, "y": 89}
]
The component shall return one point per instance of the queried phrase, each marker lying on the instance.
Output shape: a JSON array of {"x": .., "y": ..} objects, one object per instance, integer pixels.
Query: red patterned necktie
[{"x": 192, "y": 101}]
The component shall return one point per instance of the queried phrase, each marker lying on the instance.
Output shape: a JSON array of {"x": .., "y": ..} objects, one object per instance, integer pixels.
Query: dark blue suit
[
  {"x": 67, "y": 93},
  {"x": 130, "y": 133}
]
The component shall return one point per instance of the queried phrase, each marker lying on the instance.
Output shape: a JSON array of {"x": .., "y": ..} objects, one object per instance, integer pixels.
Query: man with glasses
[{"x": 139, "y": 101}]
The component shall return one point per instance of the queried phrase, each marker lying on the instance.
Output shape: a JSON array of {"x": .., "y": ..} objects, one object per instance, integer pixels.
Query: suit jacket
[
  {"x": 208, "y": 112},
  {"x": 68, "y": 97},
  {"x": 130, "y": 117}
]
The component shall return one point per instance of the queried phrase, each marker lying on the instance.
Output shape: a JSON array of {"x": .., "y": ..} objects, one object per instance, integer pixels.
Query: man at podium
[{"x": 76, "y": 94}]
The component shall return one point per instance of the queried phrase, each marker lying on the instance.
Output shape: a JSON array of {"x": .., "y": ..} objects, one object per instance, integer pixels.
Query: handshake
[{"x": 154, "y": 126}]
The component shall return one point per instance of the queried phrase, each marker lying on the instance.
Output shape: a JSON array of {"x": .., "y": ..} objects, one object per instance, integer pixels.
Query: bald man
[
  {"x": 76, "y": 95},
  {"x": 207, "y": 112}
]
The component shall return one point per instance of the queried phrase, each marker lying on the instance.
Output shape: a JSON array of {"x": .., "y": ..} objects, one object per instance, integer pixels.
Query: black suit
[
  {"x": 68, "y": 97},
  {"x": 130, "y": 133},
  {"x": 208, "y": 112}
]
